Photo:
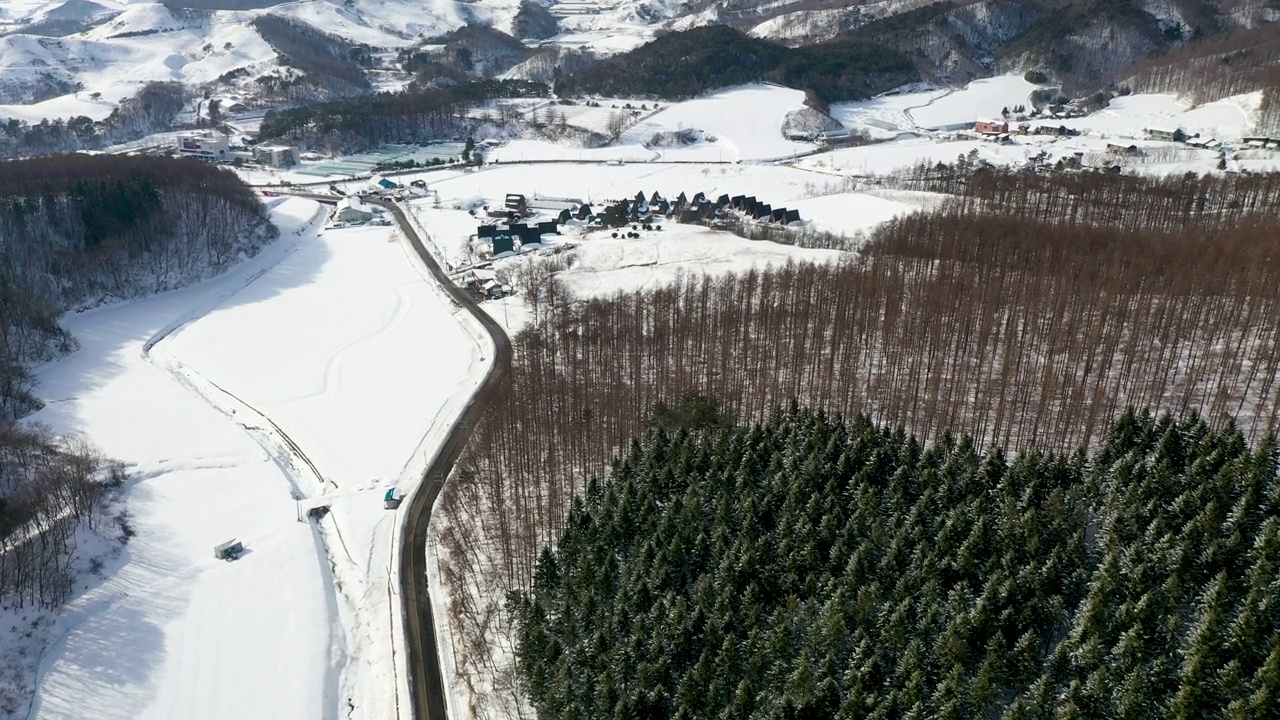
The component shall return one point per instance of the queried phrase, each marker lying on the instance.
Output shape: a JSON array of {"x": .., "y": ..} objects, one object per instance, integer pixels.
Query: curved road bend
[{"x": 425, "y": 678}]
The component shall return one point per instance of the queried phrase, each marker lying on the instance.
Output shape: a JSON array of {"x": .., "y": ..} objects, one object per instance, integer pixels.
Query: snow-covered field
[
  {"x": 852, "y": 213},
  {"x": 336, "y": 339},
  {"x": 928, "y": 109},
  {"x": 542, "y": 150},
  {"x": 604, "y": 265},
  {"x": 746, "y": 122},
  {"x": 1129, "y": 116},
  {"x": 978, "y": 99},
  {"x": 174, "y": 627},
  {"x": 887, "y": 157}
]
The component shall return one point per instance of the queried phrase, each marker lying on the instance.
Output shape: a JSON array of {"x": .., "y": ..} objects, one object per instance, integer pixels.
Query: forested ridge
[
  {"x": 416, "y": 115},
  {"x": 152, "y": 109},
  {"x": 1026, "y": 311},
  {"x": 680, "y": 65},
  {"x": 809, "y": 567},
  {"x": 78, "y": 229}
]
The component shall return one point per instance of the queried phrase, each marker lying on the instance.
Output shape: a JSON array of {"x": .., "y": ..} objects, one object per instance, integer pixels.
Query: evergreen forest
[{"x": 812, "y": 566}]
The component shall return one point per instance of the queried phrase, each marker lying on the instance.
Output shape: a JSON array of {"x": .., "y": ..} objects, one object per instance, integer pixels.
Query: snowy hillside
[{"x": 148, "y": 42}]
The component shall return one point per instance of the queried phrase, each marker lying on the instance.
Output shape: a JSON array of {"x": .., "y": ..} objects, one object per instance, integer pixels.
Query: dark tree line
[
  {"x": 49, "y": 489},
  {"x": 418, "y": 115},
  {"x": 152, "y": 110},
  {"x": 1026, "y": 319},
  {"x": 811, "y": 567},
  {"x": 78, "y": 229},
  {"x": 1232, "y": 63},
  {"x": 329, "y": 66},
  {"x": 470, "y": 51},
  {"x": 680, "y": 65}
]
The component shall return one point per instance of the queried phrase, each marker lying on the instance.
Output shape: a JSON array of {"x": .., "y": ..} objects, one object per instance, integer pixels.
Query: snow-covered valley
[{"x": 322, "y": 372}]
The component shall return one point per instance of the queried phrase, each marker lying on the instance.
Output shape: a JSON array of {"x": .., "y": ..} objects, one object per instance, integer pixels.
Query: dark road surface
[{"x": 425, "y": 679}]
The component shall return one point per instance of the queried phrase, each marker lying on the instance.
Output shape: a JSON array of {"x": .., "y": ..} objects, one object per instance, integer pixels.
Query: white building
[
  {"x": 353, "y": 210},
  {"x": 210, "y": 146},
  {"x": 276, "y": 155}
]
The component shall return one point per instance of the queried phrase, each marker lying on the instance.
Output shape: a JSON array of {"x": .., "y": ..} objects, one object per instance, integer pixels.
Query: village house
[
  {"x": 1123, "y": 150},
  {"x": 1166, "y": 134},
  {"x": 991, "y": 127}
]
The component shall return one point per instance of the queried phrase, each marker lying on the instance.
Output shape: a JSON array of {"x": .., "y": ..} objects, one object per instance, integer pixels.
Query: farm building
[
  {"x": 515, "y": 203},
  {"x": 391, "y": 500},
  {"x": 484, "y": 282},
  {"x": 353, "y": 210},
  {"x": 1123, "y": 150},
  {"x": 1166, "y": 134},
  {"x": 229, "y": 550},
  {"x": 991, "y": 127}
]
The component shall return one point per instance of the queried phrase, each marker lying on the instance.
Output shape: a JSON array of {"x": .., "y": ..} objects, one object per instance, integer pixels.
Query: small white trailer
[{"x": 229, "y": 550}]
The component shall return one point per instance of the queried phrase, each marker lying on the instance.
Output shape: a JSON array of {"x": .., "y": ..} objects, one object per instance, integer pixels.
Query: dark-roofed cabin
[
  {"x": 722, "y": 201},
  {"x": 777, "y": 215},
  {"x": 503, "y": 243},
  {"x": 529, "y": 234},
  {"x": 792, "y": 216},
  {"x": 699, "y": 199},
  {"x": 682, "y": 200},
  {"x": 584, "y": 212},
  {"x": 655, "y": 198},
  {"x": 763, "y": 210},
  {"x": 565, "y": 216},
  {"x": 547, "y": 227},
  {"x": 736, "y": 201},
  {"x": 486, "y": 231},
  {"x": 640, "y": 198}
]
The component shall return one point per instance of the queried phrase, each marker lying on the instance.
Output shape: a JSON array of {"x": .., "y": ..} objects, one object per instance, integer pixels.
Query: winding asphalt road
[{"x": 425, "y": 678}]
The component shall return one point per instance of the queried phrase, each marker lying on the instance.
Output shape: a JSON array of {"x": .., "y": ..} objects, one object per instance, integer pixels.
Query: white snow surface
[
  {"x": 337, "y": 339},
  {"x": 977, "y": 100},
  {"x": 1129, "y": 116},
  {"x": 746, "y": 119},
  {"x": 167, "y": 634},
  {"x": 605, "y": 265}
]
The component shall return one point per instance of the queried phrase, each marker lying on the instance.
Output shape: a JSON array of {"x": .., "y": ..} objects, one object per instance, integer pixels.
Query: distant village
[{"x": 523, "y": 225}]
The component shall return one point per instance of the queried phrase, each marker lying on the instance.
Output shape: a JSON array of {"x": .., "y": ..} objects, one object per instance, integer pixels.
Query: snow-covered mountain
[{"x": 65, "y": 58}]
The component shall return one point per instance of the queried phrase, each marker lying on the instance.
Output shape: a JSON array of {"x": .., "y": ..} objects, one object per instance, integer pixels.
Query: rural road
[{"x": 426, "y": 682}]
